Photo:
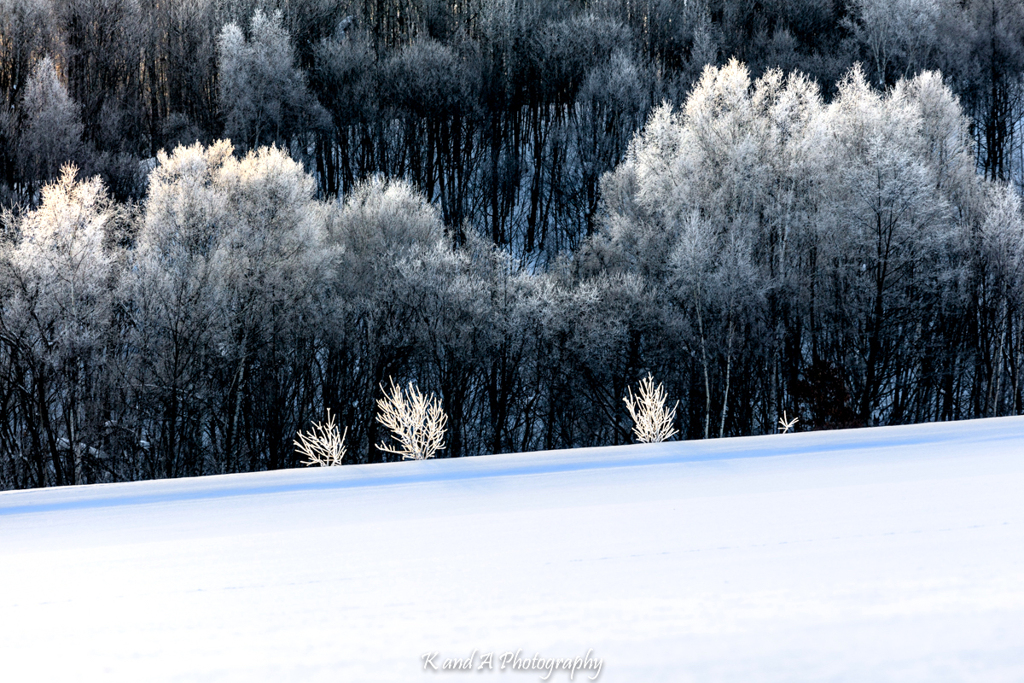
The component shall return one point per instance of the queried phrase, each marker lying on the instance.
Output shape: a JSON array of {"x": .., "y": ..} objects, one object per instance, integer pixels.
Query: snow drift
[{"x": 889, "y": 554}]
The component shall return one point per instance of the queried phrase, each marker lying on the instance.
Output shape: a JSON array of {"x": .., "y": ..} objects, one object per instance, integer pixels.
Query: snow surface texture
[{"x": 890, "y": 554}]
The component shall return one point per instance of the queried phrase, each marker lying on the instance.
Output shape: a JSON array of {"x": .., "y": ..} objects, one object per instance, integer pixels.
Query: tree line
[
  {"x": 760, "y": 249},
  {"x": 503, "y": 113},
  {"x": 523, "y": 206}
]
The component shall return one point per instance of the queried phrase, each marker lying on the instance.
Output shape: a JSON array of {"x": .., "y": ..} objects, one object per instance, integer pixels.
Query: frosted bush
[
  {"x": 653, "y": 421},
  {"x": 416, "y": 422},
  {"x": 323, "y": 445}
]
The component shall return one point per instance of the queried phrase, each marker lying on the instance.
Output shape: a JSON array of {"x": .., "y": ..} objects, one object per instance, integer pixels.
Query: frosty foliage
[
  {"x": 51, "y": 129},
  {"x": 758, "y": 199},
  {"x": 225, "y": 281},
  {"x": 898, "y": 34},
  {"x": 261, "y": 90},
  {"x": 759, "y": 247},
  {"x": 428, "y": 78},
  {"x": 225, "y": 240},
  {"x": 389, "y": 218},
  {"x": 58, "y": 270}
]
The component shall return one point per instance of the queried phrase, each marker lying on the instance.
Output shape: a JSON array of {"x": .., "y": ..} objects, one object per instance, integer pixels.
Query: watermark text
[{"x": 544, "y": 667}]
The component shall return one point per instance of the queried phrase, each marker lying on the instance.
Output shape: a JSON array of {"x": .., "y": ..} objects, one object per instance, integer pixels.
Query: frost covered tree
[
  {"x": 50, "y": 131},
  {"x": 396, "y": 268},
  {"x": 173, "y": 307},
  {"x": 262, "y": 92},
  {"x": 892, "y": 227},
  {"x": 690, "y": 210},
  {"x": 344, "y": 78},
  {"x": 899, "y": 37},
  {"x": 433, "y": 90},
  {"x": 823, "y": 236},
  {"x": 984, "y": 58},
  {"x": 613, "y": 101},
  {"x": 224, "y": 288},
  {"x": 58, "y": 267}
]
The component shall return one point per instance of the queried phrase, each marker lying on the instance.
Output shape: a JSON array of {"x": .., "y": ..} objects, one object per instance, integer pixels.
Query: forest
[{"x": 223, "y": 218}]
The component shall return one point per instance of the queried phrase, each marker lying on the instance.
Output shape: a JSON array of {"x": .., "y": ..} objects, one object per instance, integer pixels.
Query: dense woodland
[{"x": 222, "y": 218}]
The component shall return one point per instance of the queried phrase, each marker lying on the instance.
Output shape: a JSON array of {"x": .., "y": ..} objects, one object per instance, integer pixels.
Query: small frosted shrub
[
  {"x": 786, "y": 425},
  {"x": 652, "y": 420},
  {"x": 416, "y": 421},
  {"x": 322, "y": 445}
]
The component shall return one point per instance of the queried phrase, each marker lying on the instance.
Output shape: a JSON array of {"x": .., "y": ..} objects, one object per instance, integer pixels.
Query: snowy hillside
[{"x": 890, "y": 554}]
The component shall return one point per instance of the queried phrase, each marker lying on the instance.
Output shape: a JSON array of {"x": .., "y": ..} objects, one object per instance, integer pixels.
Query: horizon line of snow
[{"x": 91, "y": 496}]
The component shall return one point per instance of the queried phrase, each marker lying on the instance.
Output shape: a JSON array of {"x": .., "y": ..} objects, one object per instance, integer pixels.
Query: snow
[{"x": 888, "y": 554}]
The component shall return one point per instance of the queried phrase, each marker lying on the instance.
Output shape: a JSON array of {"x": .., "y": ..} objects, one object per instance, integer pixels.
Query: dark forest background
[{"x": 524, "y": 206}]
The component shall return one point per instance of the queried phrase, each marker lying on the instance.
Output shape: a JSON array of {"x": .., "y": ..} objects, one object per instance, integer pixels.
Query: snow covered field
[{"x": 890, "y": 554}]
